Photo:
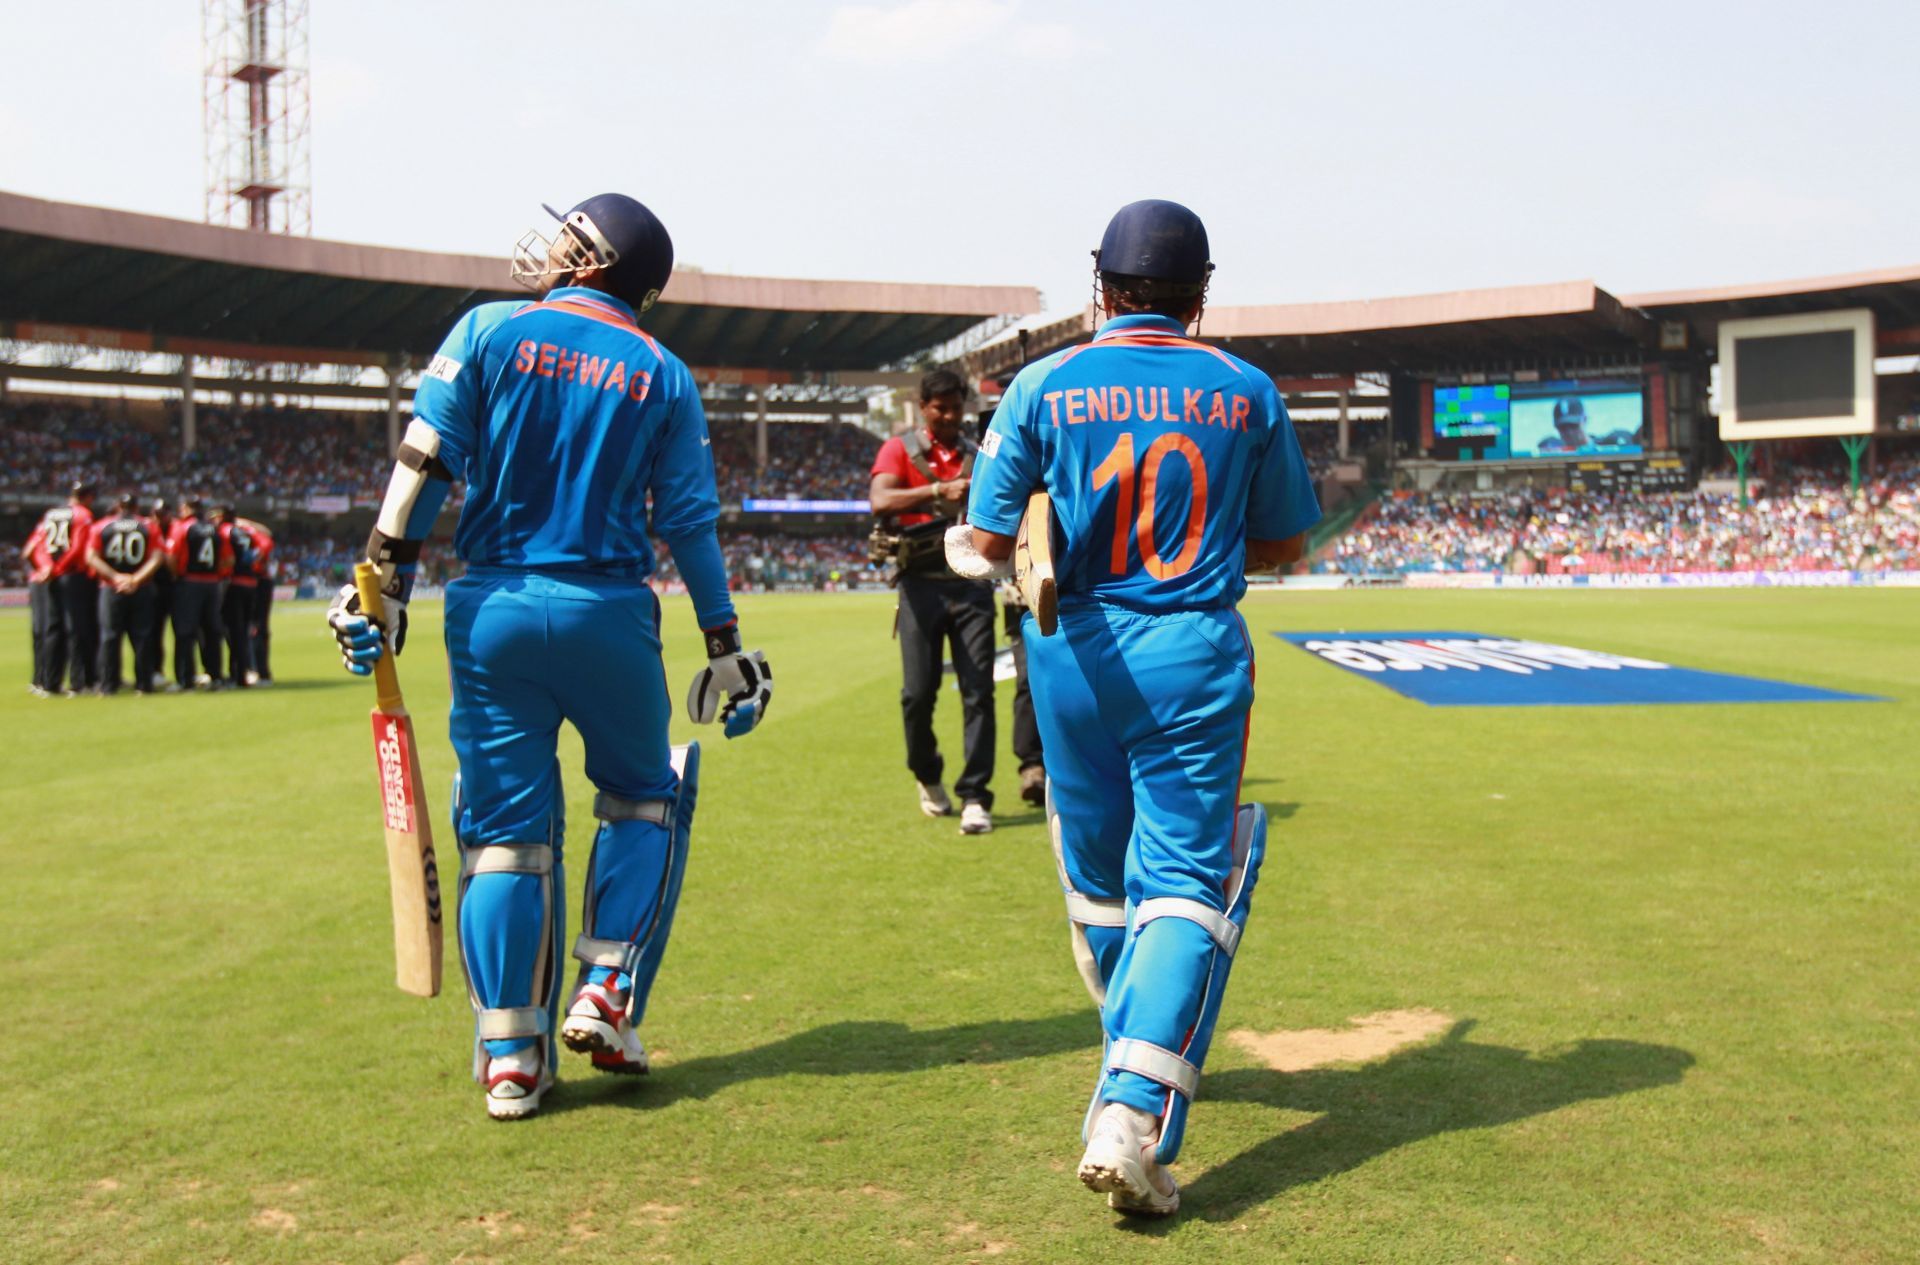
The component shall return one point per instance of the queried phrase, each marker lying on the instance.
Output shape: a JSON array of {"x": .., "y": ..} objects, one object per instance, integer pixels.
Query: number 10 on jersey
[{"x": 1133, "y": 517}]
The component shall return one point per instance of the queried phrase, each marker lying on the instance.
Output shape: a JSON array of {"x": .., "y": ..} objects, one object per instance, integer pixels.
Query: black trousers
[
  {"x": 49, "y": 636},
  {"x": 128, "y": 615},
  {"x": 262, "y": 638},
  {"x": 196, "y": 622},
  {"x": 79, "y": 599},
  {"x": 1026, "y": 730},
  {"x": 236, "y": 616},
  {"x": 933, "y": 614},
  {"x": 162, "y": 586}
]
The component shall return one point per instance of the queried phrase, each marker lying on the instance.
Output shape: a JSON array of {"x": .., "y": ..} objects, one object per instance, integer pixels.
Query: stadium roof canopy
[
  {"x": 214, "y": 291},
  {"x": 1565, "y": 323},
  {"x": 1893, "y": 295},
  {"x": 1429, "y": 332}
]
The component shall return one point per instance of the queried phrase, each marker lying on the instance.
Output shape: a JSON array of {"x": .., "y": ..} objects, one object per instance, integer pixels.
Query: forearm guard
[{"x": 415, "y": 493}]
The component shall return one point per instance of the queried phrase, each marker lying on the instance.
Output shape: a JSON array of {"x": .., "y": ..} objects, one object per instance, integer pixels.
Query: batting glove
[
  {"x": 735, "y": 687},
  {"x": 361, "y": 640}
]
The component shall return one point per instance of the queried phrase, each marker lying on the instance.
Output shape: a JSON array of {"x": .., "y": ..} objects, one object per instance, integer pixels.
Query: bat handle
[{"x": 386, "y": 682}]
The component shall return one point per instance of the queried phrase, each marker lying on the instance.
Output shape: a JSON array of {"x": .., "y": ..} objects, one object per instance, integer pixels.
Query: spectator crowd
[{"x": 1813, "y": 523}]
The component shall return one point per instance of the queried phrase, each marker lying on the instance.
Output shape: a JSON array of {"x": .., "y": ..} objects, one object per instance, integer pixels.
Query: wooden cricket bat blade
[
  {"x": 1033, "y": 563},
  {"x": 413, "y": 873}
]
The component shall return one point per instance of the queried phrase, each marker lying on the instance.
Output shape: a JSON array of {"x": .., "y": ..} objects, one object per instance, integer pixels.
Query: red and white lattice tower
[{"x": 258, "y": 115}]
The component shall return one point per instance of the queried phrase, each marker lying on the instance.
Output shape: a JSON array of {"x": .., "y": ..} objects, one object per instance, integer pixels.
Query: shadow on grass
[
  {"x": 345, "y": 681},
  {"x": 1369, "y": 1110},
  {"x": 855, "y": 1047}
]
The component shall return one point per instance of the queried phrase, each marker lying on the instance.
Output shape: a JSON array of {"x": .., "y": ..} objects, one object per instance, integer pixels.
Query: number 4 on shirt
[{"x": 1129, "y": 522}]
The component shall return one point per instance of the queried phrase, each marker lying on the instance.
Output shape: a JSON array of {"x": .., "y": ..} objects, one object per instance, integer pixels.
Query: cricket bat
[
  {"x": 411, "y": 869},
  {"x": 1033, "y": 563}
]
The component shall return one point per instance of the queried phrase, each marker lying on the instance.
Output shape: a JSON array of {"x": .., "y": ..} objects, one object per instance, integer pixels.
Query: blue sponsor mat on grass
[{"x": 1463, "y": 669}]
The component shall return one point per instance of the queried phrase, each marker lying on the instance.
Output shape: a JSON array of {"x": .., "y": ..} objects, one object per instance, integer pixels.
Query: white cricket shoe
[
  {"x": 1119, "y": 1162},
  {"x": 203, "y": 682},
  {"x": 597, "y": 1024},
  {"x": 976, "y": 820},
  {"x": 159, "y": 681},
  {"x": 934, "y": 801},
  {"x": 515, "y": 1083}
]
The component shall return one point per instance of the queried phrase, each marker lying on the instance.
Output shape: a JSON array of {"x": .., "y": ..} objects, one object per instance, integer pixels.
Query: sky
[{"x": 1335, "y": 151}]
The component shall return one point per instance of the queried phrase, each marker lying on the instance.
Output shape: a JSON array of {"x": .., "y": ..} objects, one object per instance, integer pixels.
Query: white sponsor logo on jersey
[
  {"x": 990, "y": 444},
  {"x": 444, "y": 368}
]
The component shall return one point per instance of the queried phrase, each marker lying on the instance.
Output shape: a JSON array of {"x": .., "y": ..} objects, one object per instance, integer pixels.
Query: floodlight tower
[{"x": 258, "y": 115}]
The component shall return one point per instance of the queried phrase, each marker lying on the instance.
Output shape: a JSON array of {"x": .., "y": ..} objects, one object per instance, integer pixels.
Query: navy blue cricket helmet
[
  {"x": 621, "y": 235},
  {"x": 1158, "y": 241},
  {"x": 1571, "y": 411}
]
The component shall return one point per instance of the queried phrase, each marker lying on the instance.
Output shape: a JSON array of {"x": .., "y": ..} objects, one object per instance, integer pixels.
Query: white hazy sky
[{"x": 1341, "y": 150}]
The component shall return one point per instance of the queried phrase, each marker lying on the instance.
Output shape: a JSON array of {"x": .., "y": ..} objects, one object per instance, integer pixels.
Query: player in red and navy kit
[
  {"x": 49, "y": 639},
  {"x": 202, "y": 553},
  {"x": 262, "y": 610},
  {"x": 75, "y": 595},
  {"x": 124, "y": 552},
  {"x": 1172, "y": 467},
  {"x": 162, "y": 585},
  {"x": 236, "y": 602}
]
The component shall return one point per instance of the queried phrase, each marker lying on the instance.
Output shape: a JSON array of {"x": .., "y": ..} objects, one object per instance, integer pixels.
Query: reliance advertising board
[{"x": 1462, "y": 669}]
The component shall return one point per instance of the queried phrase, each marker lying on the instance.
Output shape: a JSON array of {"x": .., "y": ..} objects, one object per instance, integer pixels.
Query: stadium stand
[{"x": 1810, "y": 523}]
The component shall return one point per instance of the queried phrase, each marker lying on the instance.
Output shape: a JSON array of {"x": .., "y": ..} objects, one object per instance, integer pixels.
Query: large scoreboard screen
[
  {"x": 1598, "y": 416},
  {"x": 1478, "y": 414}
]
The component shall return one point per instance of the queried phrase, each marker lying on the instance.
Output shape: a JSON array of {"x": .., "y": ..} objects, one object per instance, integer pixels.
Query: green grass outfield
[{"x": 1678, "y": 947}]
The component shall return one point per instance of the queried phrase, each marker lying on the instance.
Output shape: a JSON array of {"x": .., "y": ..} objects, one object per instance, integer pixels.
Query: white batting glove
[
  {"x": 734, "y": 687},
  {"x": 968, "y": 562}
]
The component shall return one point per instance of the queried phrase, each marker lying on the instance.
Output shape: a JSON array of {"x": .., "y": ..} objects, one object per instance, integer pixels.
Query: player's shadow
[
  {"x": 851, "y": 1048},
  {"x": 1366, "y": 1111}
]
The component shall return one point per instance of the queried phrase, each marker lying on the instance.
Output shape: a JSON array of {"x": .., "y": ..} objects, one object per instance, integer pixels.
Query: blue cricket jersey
[
  {"x": 564, "y": 417},
  {"x": 1163, "y": 456}
]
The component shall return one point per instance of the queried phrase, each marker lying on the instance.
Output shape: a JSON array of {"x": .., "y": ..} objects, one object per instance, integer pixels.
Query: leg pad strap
[
  {"x": 1225, "y": 932},
  {"x": 609, "y": 808},
  {"x": 1094, "y": 911},
  {"x": 507, "y": 858},
  {"x": 618, "y": 955},
  {"x": 503, "y": 1025},
  {"x": 1156, "y": 1063}
]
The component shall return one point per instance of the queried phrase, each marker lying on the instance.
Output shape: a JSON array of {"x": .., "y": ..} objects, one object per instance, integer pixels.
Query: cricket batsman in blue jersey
[
  {"x": 565, "y": 419},
  {"x": 1172, "y": 468}
]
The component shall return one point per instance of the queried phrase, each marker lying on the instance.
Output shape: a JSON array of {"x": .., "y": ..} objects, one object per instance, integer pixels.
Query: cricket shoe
[
  {"x": 1119, "y": 1163},
  {"x": 1033, "y": 785},
  {"x": 516, "y": 1082},
  {"x": 934, "y": 801},
  {"x": 597, "y": 1024},
  {"x": 976, "y": 820}
]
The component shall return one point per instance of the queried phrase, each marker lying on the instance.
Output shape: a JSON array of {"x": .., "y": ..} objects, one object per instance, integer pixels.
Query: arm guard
[{"x": 415, "y": 493}]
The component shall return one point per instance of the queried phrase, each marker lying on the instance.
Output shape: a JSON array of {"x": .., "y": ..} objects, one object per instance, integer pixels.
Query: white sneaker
[
  {"x": 159, "y": 681},
  {"x": 934, "y": 801},
  {"x": 251, "y": 677},
  {"x": 203, "y": 682},
  {"x": 975, "y": 820},
  {"x": 1119, "y": 1162},
  {"x": 597, "y": 1024},
  {"x": 515, "y": 1083}
]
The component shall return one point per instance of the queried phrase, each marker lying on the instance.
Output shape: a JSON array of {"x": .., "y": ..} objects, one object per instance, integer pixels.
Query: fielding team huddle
[
  {"x": 93, "y": 582},
  {"x": 577, "y": 434}
]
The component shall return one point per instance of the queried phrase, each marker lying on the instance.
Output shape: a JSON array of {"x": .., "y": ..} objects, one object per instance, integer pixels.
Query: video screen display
[
  {"x": 1473, "y": 413},
  {"x": 1575, "y": 417}
]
